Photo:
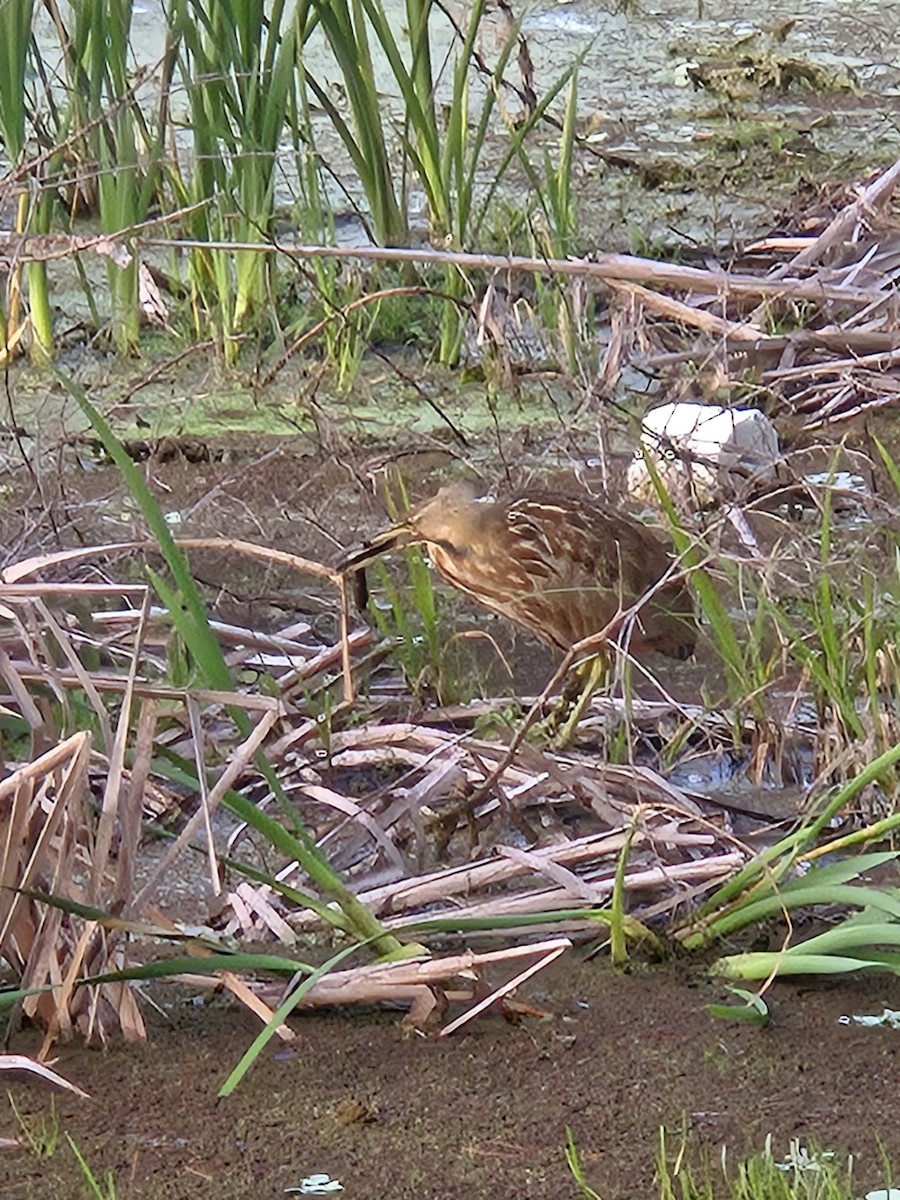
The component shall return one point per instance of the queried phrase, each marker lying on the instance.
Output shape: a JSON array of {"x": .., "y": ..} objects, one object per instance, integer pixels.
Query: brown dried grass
[{"x": 526, "y": 831}]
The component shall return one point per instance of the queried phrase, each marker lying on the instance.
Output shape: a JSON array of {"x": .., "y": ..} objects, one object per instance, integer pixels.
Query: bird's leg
[
  {"x": 583, "y": 682},
  {"x": 560, "y": 725}
]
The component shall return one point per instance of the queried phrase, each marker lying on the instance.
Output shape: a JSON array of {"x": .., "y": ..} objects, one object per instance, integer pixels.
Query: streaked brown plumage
[{"x": 562, "y": 566}]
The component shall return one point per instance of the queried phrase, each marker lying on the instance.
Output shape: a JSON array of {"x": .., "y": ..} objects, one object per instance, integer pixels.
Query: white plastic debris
[
  {"x": 316, "y": 1185},
  {"x": 890, "y": 1018},
  {"x": 798, "y": 1158},
  {"x": 703, "y": 452}
]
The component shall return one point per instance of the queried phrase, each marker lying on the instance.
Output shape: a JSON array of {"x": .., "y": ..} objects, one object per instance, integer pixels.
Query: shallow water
[{"x": 719, "y": 161}]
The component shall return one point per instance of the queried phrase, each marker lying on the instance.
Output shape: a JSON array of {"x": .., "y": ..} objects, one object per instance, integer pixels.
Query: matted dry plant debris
[
  {"x": 551, "y": 828},
  {"x": 427, "y": 821},
  {"x": 390, "y": 804},
  {"x": 832, "y": 288}
]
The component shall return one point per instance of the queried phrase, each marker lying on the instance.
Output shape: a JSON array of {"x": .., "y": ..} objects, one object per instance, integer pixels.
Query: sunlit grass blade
[
  {"x": 280, "y": 1015},
  {"x": 618, "y": 947},
  {"x": 753, "y": 1011},
  {"x": 762, "y": 965},
  {"x": 573, "y": 1162},
  {"x": 803, "y": 894},
  {"x": 865, "y": 929},
  {"x": 105, "y": 1190}
]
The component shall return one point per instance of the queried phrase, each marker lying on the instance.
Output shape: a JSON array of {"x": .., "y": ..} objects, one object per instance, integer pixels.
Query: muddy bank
[{"x": 483, "y": 1114}]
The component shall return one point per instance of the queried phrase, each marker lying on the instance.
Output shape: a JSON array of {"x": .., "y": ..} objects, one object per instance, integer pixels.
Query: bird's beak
[
  {"x": 380, "y": 544},
  {"x": 355, "y": 562}
]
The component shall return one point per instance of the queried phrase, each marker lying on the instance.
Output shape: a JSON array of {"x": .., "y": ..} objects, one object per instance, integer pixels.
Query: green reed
[
  {"x": 108, "y": 156},
  {"x": 345, "y": 26},
  {"x": 744, "y": 666},
  {"x": 845, "y": 636},
  {"x": 467, "y": 138},
  {"x": 788, "y": 875},
  {"x": 255, "y": 99},
  {"x": 101, "y": 105},
  {"x": 441, "y": 147},
  {"x": 34, "y": 208},
  {"x": 237, "y": 62},
  {"x": 554, "y": 234}
]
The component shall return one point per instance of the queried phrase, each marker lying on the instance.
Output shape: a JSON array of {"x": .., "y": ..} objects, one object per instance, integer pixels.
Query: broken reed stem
[
  {"x": 617, "y": 271},
  {"x": 622, "y": 267}
]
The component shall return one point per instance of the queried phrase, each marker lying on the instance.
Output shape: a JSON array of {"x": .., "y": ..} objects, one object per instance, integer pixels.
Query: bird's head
[{"x": 449, "y": 519}]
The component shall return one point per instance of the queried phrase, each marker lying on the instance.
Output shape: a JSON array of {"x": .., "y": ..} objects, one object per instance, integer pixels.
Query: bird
[{"x": 562, "y": 566}]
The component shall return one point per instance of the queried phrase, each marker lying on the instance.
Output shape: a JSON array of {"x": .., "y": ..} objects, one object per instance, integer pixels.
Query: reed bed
[
  {"x": 402, "y": 812},
  {"x": 161, "y": 738}
]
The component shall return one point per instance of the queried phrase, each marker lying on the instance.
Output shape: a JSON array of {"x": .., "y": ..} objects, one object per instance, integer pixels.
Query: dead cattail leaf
[{"x": 17, "y": 1067}]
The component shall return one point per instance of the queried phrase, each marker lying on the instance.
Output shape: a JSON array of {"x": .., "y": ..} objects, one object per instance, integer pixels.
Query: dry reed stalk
[
  {"x": 415, "y": 980},
  {"x": 594, "y": 887},
  {"x": 71, "y": 854},
  {"x": 612, "y": 267},
  {"x": 686, "y": 314},
  {"x": 708, "y": 872},
  {"x": 843, "y": 224},
  {"x": 43, "y": 818},
  {"x": 238, "y": 762},
  {"x": 548, "y": 951},
  {"x": 113, "y": 792},
  {"x": 19, "y": 1068}
]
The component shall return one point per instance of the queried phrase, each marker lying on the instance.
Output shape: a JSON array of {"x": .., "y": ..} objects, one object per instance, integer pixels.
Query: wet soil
[{"x": 483, "y": 1113}]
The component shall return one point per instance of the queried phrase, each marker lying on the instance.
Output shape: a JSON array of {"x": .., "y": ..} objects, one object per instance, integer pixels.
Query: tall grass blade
[
  {"x": 284, "y": 1010},
  {"x": 15, "y": 48},
  {"x": 187, "y": 611}
]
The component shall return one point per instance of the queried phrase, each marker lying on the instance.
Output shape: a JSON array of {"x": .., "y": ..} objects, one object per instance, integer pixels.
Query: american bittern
[{"x": 564, "y": 567}]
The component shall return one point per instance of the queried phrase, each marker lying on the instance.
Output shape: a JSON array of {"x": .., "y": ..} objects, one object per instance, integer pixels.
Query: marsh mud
[{"x": 482, "y": 1114}]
